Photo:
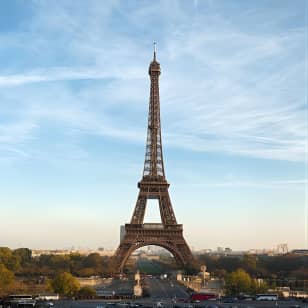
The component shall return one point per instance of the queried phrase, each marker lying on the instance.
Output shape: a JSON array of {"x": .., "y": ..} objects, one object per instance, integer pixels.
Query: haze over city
[{"x": 74, "y": 91}]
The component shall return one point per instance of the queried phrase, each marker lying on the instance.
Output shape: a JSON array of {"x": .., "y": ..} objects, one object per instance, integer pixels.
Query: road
[
  {"x": 164, "y": 289},
  {"x": 118, "y": 287}
]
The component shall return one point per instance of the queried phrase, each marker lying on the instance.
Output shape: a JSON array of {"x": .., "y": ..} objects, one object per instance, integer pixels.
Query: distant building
[
  {"x": 85, "y": 252},
  {"x": 282, "y": 248},
  {"x": 203, "y": 251},
  {"x": 214, "y": 285},
  {"x": 284, "y": 291},
  {"x": 299, "y": 294},
  {"x": 300, "y": 251},
  {"x": 220, "y": 249},
  {"x": 93, "y": 281},
  {"x": 179, "y": 276},
  {"x": 148, "y": 257},
  {"x": 48, "y": 297}
]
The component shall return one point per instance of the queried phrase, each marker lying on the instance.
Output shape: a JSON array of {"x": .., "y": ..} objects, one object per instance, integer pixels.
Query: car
[
  {"x": 246, "y": 297},
  {"x": 44, "y": 304},
  {"x": 229, "y": 300},
  {"x": 198, "y": 297},
  {"x": 181, "y": 300}
]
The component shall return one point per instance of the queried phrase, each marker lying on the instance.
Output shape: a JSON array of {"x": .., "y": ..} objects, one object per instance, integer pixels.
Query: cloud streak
[{"x": 64, "y": 74}]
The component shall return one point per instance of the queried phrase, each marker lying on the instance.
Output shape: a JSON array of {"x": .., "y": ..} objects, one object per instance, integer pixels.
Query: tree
[
  {"x": 6, "y": 276},
  {"x": 24, "y": 255},
  {"x": 86, "y": 272},
  {"x": 93, "y": 260},
  {"x": 8, "y": 259},
  {"x": 229, "y": 263},
  {"x": 86, "y": 292},
  {"x": 238, "y": 282},
  {"x": 65, "y": 284},
  {"x": 5, "y": 254},
  {"x": 192, "y": 268},
  {"x": 220, "y": 273},
  {"x": 250, "y": 263}
]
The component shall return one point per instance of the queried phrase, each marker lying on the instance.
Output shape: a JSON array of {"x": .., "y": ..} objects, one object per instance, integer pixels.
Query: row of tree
[
  {"x": 288, "y": 266},
  {"x": 21, "y": 263}
]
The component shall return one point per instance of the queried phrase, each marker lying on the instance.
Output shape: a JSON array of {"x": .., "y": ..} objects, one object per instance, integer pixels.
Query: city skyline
[{"x": 74, "y": 94}]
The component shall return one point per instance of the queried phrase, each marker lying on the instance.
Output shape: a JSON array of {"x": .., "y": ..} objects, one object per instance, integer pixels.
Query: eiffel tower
[{"x": 153, "y": 185}]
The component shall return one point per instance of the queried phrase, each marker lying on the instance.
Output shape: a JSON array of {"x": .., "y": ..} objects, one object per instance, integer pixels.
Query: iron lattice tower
[{"x": 153, "y": 185}]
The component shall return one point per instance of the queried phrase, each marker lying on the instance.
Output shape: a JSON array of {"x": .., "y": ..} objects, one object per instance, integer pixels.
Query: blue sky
[{"x": 73, "y": 111}]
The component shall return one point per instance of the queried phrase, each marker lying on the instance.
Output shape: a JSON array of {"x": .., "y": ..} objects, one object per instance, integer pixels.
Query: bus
[
  {"x": 267, "y": 297},
  {"x": 198, "y": 297},
  {"x": 18, "y": 301}
]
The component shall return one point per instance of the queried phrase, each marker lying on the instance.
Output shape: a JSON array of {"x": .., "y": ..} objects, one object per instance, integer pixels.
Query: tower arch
[{"x": 168, "y": 246}]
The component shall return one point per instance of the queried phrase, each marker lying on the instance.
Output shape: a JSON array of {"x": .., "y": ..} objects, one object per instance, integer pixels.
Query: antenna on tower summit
[{"x": 154, "y": 46}]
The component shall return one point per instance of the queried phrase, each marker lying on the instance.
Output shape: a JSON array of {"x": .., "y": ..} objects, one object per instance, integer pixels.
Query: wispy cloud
[
  {"x": 53, "y": 75},
  {"x": 65, "y": 73},
  {"x": 20, "y": 131},
  {"x": 282, "y": 184}
]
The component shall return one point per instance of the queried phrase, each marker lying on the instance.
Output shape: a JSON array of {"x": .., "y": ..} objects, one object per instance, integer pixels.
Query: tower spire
[{"x": 154, "y": 47}]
